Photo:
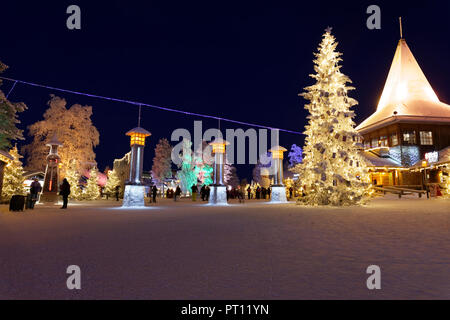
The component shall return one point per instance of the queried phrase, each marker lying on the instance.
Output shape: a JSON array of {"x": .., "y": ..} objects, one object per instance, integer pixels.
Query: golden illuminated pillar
[
  {"x": 137, "y": 143},
  {"x": 134, "y": 190},
  {"x": 278, "y": 190},
  {"x": 218, "y": 193}
]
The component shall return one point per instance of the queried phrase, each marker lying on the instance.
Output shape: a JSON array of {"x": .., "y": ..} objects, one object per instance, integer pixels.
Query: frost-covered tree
[
  {"x": 295, "y": 155},
  {"x": 122, "y": 169},
  {"x": 333, "y": 170},
  {"x": 73, "y": 177},
  {"x": 73, "y": 127},
  {"x": 13, "y": 176},
  {"x": 186, "y": 174},
  {"x": 92, "y": 191},
  {"x": 446, "y": 177},
  {"x": 112, "y": 182},
  {"x": 162, "y": 162},
  {"x": 8, "y": 118},
  {"x": 260, "y": 165},
  {"x": 203, "y": 161},
  {"x": 230, "y": 177}
]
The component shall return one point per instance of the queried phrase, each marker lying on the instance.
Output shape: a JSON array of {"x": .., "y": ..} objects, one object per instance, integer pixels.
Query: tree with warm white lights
[
  {"x": 92, "y": 190},
  {"x": 333, "y": 171},
  {"x": 112, "y": 182},
  {"x": 73, "y": 177},
  {"x": 13, "y": 176},
  {"x": 446, "y": 183}
]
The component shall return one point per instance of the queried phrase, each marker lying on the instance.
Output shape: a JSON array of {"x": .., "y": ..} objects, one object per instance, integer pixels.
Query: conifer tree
[
  {"x": 333, "y": 170},
  {"x": 186, "y": 174},
  {"x": 13, "y": 176},
  {"x": 92, "y": 191},
  {"x": 73, "y": 177},
  {"x": 112, "y": 183}
]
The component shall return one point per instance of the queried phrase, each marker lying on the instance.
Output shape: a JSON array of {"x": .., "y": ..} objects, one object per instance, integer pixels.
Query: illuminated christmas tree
[
  {"x": 203, "y": 164},
  {"x": 446, "y": 185},
  {"x": 73, "y": 177},
  {"x": 92, "y": 191},
  {"x": 13, "y": 176},
  {"x": 186, "y": 174},
  {"x": 112, "y": 183},
  {"x": 333, "y": 170}
]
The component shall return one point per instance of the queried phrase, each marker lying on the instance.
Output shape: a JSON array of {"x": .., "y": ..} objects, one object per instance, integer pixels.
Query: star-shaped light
[{"x": 328, "y": 29}]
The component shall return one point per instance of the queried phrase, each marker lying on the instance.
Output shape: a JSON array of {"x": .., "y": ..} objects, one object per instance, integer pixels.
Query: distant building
[{"x": 409, "y": 125}]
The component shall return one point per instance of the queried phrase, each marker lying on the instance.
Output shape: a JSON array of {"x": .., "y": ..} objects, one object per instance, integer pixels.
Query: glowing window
[
  {"x": 375, "y": 143},
  {"x": 383, "y": 141},
  {"x": 137, "y": 138},
  {"x": 409, "y": 137},
  {"x": 426, "y": 138}
]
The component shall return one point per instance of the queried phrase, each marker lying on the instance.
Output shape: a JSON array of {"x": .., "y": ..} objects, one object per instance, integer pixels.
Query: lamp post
[
  {"x": 278, "y": 188},
  {"x": 134, "y": 190},
  {"x": 51, "y": 179},
  {"x": 218, "y": 193}
]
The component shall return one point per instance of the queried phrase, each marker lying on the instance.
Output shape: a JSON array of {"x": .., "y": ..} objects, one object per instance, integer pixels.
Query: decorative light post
[
  {"x": 278, "y": 188},
  {"x": 134, "y": 190},
  {"x": 218, "y": 193},
  {"x": 51, "y": 179}
]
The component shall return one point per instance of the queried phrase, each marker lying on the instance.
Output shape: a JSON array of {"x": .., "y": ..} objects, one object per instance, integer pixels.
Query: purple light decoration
[{"x": 147, "y": 105}]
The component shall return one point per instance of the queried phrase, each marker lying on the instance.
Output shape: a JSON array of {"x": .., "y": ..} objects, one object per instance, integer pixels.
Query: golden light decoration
[
  {"x": 137, "y": 136},
  {"x": 277, "y": 152},
  {"x": 218, "y": 145}
]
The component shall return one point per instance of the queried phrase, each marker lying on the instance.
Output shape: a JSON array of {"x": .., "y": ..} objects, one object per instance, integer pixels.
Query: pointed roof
[
  {"x": 407, "y": 95},
  {"x": 54, "y": 141}
]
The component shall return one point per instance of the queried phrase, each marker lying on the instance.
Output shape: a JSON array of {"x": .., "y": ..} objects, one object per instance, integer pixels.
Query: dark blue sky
[{"x": 240, "y": 60}]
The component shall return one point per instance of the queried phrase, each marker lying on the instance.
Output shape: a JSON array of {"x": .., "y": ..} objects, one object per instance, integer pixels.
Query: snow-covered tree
[
  {"x": 333, "y": 170},
  {"x": 446, "y": 177},
  {"x": 92, "y": 191},
  {"x": 8, "y": 118},
  {"x": 73, "y": 177},
  {"x": 74, "y": 129},
  {"x": 295, "y": 155},
  {"x": 162, "y": 162},
  {"x": 13, "y": 176},
  {"x": 186, "y": 174},
  {"x": 203, "y": 161},
  {"x": 260, "y": 165},
  {"x": 122, "y": 169},
  {"x": 230, "y": 177},
  {"x": 112, "y": 182}
]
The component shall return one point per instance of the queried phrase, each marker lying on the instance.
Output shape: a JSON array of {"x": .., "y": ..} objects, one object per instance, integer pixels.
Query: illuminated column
[
  {"x": 51, "y": 179},
  {"x": 134, "y": 190},
  {"x": 278, "y": 189},
  {"x": 218, "y": 193}
]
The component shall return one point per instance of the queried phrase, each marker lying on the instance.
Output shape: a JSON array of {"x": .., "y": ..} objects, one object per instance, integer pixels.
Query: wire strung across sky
[{"x": 145, "y": 105}]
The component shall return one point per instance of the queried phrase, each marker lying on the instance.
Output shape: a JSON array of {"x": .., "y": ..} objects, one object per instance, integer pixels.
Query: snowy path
[{"x": 252, "y": 251}]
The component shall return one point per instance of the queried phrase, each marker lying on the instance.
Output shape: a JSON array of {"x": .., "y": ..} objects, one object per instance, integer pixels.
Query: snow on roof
[
  {"x": 374, "y": 160},
  {"x": 407, "y": 95}
]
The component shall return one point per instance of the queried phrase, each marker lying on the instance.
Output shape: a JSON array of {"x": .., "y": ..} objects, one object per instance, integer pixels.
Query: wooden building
[{"x": 410, "y": 122}]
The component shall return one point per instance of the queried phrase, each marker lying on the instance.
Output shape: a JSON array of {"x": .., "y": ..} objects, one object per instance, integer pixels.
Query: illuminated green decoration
[{"x": 186, "y": 174}]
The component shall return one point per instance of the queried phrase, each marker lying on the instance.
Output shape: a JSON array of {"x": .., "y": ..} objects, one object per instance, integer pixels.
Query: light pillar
[
  {"x": 278, "y": 189},
  {"x": 134, "y": 190},
  {"x": 51, "y": 179},
  {"x": 218, "y": 193}
]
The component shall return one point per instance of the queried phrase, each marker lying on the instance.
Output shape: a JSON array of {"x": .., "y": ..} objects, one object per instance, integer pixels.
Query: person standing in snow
[
  {"x": 177, "y": 193},
  {"x": 154, "y": 191},
  {"x": 194, "y": 192},
  {"x": 117, "y": 193},
  {"x": 64, "y": 191},
  {"x": 35, "y": 188}
]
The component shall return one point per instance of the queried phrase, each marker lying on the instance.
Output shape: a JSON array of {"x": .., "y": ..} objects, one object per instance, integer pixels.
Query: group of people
[{"x": 258, "y": 192}]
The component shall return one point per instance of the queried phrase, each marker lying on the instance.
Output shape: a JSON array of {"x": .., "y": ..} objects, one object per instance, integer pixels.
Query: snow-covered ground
[{"x": 188, "y": 250}]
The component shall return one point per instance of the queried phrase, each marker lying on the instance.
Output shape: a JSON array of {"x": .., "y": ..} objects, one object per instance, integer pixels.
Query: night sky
[{"x": 244, "y": 61}]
